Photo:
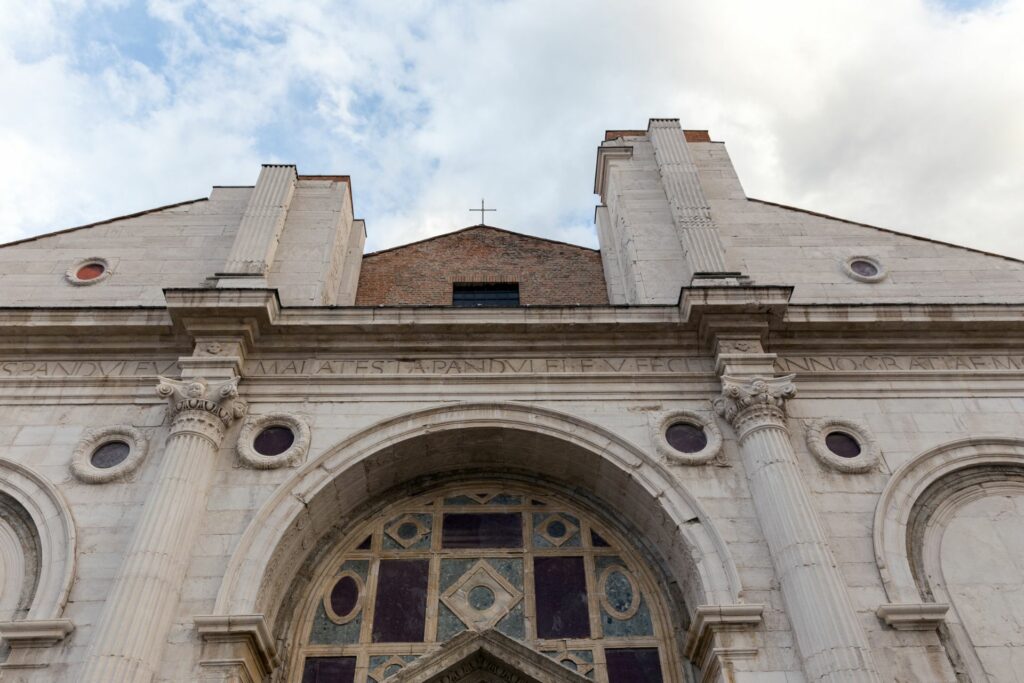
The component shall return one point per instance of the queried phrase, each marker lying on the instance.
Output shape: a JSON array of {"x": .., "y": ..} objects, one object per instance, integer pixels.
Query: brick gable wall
[{"x": 422, "y": 273}]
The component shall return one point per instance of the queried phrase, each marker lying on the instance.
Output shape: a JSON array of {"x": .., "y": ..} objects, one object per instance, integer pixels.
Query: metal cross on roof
[{"x": 482, "y": 210}]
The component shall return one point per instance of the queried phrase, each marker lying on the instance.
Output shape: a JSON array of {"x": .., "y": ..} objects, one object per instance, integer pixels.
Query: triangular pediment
[{"x": 487, "y": 657}]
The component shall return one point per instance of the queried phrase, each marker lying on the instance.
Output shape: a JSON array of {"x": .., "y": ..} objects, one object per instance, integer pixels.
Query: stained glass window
[{"x": 526, "y": 563}]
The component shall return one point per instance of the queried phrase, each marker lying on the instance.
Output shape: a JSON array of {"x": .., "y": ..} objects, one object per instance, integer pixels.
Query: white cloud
[{"x": 910, "y": 118}]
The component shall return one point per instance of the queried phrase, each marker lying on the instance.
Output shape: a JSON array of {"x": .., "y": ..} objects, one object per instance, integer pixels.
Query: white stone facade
[{"x": 777, "y": 560}]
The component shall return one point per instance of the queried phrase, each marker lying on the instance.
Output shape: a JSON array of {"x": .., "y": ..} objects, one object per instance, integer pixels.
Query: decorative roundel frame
[
  {"x": 254, "y": 424},
  {"x": 342, "y": 619},
  {"x": 702, "y": 420},
  {"x": 81, "y": 460},
  {"x": 870, "y": 453},
  {"x": 851, "y": 273},
  {"x": 71, "y": 275},
  {"x": 602, "y": 592}
]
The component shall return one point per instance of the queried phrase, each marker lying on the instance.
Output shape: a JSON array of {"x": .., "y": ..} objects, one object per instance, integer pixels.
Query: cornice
[
  {"x": 606, "y": 153},
  {"x": 258, "y": 313}
]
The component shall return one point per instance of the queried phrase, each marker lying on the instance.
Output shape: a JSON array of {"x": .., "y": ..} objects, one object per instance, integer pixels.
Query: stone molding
[
  {"x": 907, "y": 484},
  {"x": 870, "y": 452},
  {"x": 71, "y": 274},
  {"x": 710, "y": 643},
  {"x": 81, "y": 460},
  {"x": 35, "y": 632},
  {"x": 702, "y": 420},
  {"x": 468, "y": 655},
  {"x": 28, "y": 639},
  {"x": 58, "y": 544},
  {"x": 851, "y": 273},
  {"x": 921, "y": 616},
  {"x": 261, "y": 560},
  {"x": 750, "y": 403},
  {"x": 239, "y": 644},
  {"x": 292, "y": 457}
]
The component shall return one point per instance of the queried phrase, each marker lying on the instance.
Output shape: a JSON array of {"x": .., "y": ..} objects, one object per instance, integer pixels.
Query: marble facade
[{"x": 778, "y": 560}]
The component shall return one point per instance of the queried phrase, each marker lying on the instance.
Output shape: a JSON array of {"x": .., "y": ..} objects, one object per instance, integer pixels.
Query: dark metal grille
[{"x": 470, "y": 295}]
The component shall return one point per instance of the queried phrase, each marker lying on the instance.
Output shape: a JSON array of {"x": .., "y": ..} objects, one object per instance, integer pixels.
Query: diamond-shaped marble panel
[
  {"x": 481, "y": 597},
  {"x": 407, "y": 531},
  {"x": 556, "y": 529}
]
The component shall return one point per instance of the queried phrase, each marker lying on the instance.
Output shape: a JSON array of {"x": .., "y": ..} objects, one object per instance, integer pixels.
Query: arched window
[{"x": 527, "y": 563}]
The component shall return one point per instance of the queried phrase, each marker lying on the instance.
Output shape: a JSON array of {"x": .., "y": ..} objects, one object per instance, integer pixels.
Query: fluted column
[
  {"x": 831, "y": 641},
  {"x": 139, "y": 611}
]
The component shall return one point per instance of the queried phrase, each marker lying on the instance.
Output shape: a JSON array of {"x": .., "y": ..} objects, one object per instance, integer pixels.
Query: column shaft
[
  {"x": 137, "y": 616},
  {"x": 831, "y": 640}
]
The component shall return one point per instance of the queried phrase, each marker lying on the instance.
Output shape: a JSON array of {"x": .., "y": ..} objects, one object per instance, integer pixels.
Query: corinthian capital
[
  {"x": 219, "y": 399},
  {"x": 750, "y": 402}
]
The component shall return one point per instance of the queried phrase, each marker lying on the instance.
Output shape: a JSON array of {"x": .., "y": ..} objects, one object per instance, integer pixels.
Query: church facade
[{"x": 740, "y": 443}]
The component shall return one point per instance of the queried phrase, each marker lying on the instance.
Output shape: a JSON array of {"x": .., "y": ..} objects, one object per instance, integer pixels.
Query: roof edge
[
  {"x": 474, "y": 227},
  {"x": 137, "y": 214},
  {"x": 888, "y": 230}
]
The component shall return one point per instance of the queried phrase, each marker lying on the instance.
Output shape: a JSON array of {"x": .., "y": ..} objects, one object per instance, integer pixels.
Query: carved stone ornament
[
  {"x": 706, "y": 422},
  {"x": 200, "y": 406},
  {"x": 759, "y": 401},
  {"x": 818, "y": 430},
  {"x": 71, "y": 274},
  {"x": 255, "y": 424},
  {"x": 81, "y": 461}
]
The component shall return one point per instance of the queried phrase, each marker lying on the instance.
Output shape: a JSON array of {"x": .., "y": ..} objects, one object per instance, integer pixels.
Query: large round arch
[
  {"x": 947, "y": 531},
  {"x": 38, "y": 542},
  {"x": 490, "y": 437}
]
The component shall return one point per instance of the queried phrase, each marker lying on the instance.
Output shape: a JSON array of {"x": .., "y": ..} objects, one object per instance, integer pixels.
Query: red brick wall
[{"x": 422, "y": 273}]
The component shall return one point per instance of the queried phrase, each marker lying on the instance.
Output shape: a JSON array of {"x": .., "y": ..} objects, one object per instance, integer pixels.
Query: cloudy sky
[{"x": 907, "y": 114}]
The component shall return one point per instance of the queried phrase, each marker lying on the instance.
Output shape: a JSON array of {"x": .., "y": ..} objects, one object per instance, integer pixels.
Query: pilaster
[
  {"x": 691, "y": 212},
  {"x": 260, "y": 230}
]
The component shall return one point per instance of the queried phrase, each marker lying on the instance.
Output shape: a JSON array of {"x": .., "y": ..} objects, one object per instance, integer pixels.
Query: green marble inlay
[
  {"x": 538, "y": 525},
  {"x": 452, "y": 570},
  {"x": 480, "y": 598},
  {"x": 505, "y": 499},
  {"x": 360, "y": 567},
  {"x": 377, "y": 660},
  {"x": 512, "y": 624},
  {"x": 448, "y": 625},
  {"x": 326, "y": 632},
  {"x": 640, "y": 624},
  {"x": 461, "y": 500},
  {"x": 583, "y": 655},
  {"x": 422, "y": 544}
]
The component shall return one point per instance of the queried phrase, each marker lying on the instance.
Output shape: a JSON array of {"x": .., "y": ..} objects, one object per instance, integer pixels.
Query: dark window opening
[{"x": 473, "y": 294}]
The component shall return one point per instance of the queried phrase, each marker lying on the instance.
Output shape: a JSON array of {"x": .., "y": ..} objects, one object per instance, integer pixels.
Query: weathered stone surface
[{"x": 783, "y": 566}]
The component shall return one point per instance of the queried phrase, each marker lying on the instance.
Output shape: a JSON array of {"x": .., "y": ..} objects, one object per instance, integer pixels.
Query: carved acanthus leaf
[
  {"x": 760, "y": 397},
  {"x": 218, "y": 398}
]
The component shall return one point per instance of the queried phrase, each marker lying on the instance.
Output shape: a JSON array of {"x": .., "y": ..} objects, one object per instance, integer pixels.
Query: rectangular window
[
  {"x": 473, "y": 294},
  {"x": 561, "y": 588},
  {"x": 482, "y": 530},
  {"x": 329, "y": 670},
  {"x": 400, "y": 610}
]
